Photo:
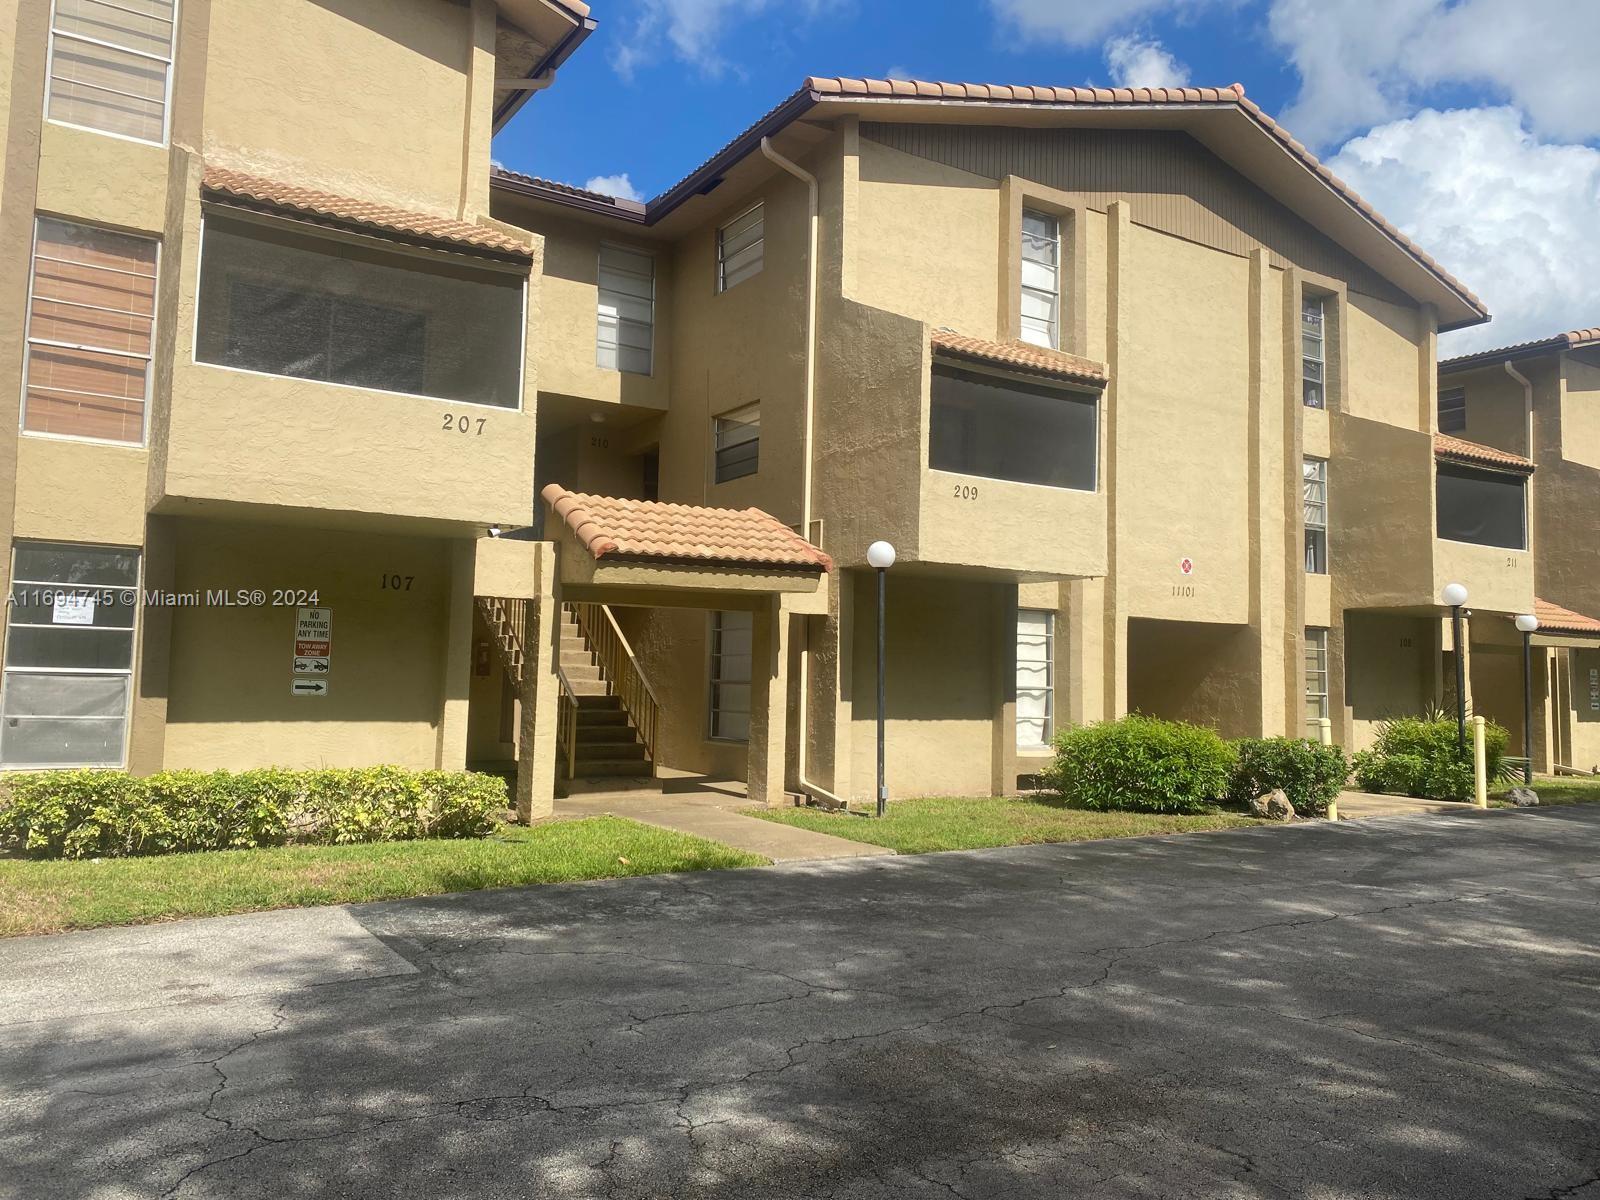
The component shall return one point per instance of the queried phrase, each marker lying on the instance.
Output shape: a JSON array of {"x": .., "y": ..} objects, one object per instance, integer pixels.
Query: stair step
[
  {"x": 605, "y": 735},
  {"x": 611, "y": 783},
  {"x": 582, "y": 688},
  {"x": 608, "y": 752},
  {"x": 613, "y": 767},
  {"x": 599, "y": 703}
]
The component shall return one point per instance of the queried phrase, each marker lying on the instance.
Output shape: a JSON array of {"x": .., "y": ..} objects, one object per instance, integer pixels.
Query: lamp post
[
  {"x": 1527, "y": 623},
  {"x": 881, "y": 556},
  {"x": 1455, "y": 595}
]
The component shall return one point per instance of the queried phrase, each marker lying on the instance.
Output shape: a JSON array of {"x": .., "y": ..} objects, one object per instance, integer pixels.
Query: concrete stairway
[{"x": 610, "y": 757}]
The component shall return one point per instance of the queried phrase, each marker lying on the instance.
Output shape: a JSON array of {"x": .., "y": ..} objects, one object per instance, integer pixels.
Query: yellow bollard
[
  {"x": 1480, "y": 767},
  {"x": 1325, "y": 736}
]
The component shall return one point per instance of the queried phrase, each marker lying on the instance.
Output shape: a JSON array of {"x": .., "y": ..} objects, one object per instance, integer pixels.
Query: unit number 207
[{"x": 461, "y": 423}]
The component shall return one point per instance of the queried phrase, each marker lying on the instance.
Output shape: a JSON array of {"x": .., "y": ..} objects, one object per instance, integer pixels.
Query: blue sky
[{"x": 1474, "y": 125}]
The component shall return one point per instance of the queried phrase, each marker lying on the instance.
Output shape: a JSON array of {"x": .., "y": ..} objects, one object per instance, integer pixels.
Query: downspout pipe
[
  {"x": 1527, "y": 403},
  {"x": 810, "y": 180}
]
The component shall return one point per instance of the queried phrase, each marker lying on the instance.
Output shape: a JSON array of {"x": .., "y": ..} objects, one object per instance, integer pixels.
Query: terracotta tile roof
[
  {"x": 1555, "y": 619},
  {"x": 365, "y": 215},
  {"x": 535, "y": 182},
  {"x": 648, "y": 529},
  {"x": 1021, "y": 356},
  {"x": 1454, "y": 449},
  {"x": 1561, "y": 341}
]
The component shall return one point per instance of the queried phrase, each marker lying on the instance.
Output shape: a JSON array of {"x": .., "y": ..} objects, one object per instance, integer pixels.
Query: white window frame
[
  {"x": 1316, "y": 643},
  {"x": 1307, "y": 300},
  {"x": 1049, "y": 688},
  {"x": 29, "y": 341},
  {"x": 722, "y": 265},
  {"x": 745, "y": 417},
  {"x": 399, "y": 250},
  {"x": 714, "y": 628},
  {"x": 1320, "y": 478},
  {"x": 1452, "y": 394},
  {"x": 170, "y": 62},
  {"x": 616, "y": 318},
  {"x": 1053, "y": 334},
  {"x": 128, "y": 675}
]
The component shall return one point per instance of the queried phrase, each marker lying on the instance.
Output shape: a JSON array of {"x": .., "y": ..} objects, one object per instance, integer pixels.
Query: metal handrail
[{"x": 619, "y": 666}]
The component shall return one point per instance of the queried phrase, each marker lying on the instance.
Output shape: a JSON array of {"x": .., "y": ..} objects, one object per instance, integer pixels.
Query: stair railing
[
  {"x": 619, "y": 666},
  {"x": 508, "y": 621},
  {"x": 567, "y": 726}
]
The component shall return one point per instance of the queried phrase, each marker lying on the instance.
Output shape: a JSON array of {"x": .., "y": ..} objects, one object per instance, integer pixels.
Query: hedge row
[
  {"x": 1421, "y": 756},
  {"x": 1143, "y": 764},
  {"x": 109, "y": 814}
]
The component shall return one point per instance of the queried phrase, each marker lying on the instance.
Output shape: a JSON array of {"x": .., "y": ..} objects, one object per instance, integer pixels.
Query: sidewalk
[
  {"x": 714, "y": 814},
  {"x": 1370, "y": 804}
]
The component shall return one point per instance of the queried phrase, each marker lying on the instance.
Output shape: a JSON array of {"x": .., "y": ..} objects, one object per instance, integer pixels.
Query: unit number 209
[
  {"x": 461, "y": 423},
  {"x": 966, "y": 491}
]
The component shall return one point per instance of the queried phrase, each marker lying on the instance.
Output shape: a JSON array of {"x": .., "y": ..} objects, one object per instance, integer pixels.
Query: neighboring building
[
  {"x": 1143, "y": 396},
  {"x": 261, "y": 338},
  {"x": 1538, "y": 404}
]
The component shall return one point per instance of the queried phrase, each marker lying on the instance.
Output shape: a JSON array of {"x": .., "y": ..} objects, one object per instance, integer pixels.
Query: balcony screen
[
  {"x": 1006, "y": 429},
  {"x": 1482, "y": 507},
  {"x": 283, "y": 303}
]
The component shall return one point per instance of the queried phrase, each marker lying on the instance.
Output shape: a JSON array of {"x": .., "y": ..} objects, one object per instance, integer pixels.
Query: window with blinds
[
  {"x": 1041, "y": 279},
  {"x": 731, "y": 657},
  {"x": 91, "y": 317},
  {"x": 69, "y": 655},
  {"x": 1316, "y": 679},
  {"x": 626, "y": 311},
  {"x": 1313, "y": 352},
  {"x": 741, "y": 245},
  {"x": 1453, "y": 410},
  {"x": 1314, "y": 493},
  {"x": 737, "y": 449},
  {"x": 1035, "y": 678},
  {"x": 110, "y": 65}
]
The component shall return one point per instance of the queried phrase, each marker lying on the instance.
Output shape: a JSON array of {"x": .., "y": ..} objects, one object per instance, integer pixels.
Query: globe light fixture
[{"x": 1527, "y": 624}]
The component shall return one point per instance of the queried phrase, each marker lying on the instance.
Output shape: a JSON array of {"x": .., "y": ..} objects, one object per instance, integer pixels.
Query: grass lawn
[
  {"x": 956, "y": 823},
  {"x": 46, "y": 897},
  {"x": 1564, "y": 789}
]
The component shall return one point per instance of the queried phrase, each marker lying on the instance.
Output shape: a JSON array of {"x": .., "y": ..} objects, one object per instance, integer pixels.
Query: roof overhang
[
  {"x": 1223, "y": 120},
  {"x": 1573, "y": 340},
  {"x": 532, "y": 39}
]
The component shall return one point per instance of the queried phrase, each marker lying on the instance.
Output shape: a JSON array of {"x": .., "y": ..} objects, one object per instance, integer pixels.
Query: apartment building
[
  {"x": 1143, "y": 396},
  {"x": 268, "y": 359},
  {"x": 1534, "y": 408},
  {"x": 336, "y": 445}
]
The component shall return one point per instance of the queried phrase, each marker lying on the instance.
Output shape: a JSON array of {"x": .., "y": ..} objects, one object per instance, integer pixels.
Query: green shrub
[
  {"x": 1418, "y": 756},
  {"x": 1140, "y": 764},
  {"x": 1309, "y": 773},
  {"x": 109, "y": 814}
]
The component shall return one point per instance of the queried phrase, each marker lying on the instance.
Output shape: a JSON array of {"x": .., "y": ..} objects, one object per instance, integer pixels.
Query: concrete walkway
[
  {"x": 1371, "y": 804},
  {"x": 711, "y": 811}
]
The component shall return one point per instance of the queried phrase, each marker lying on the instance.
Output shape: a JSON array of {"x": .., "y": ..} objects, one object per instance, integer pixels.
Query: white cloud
[
  {"x": 690, "y": 30},
  {"x": 1084, "y": 22},
  {"x": 1141, "y": 62},
  {"x": 1362, "y": 62},
  {"x": 898, "y": 73},
  {"x": 1511, "y": 216},
  {"x": 619, "y": 186}
]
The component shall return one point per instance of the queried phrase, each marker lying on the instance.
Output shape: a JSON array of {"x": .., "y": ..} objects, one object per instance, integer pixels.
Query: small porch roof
[
  {"x": 1553, "y": 619},
  {"x": 1473, "y": 454},
  {"x": 648, "y": 531}
]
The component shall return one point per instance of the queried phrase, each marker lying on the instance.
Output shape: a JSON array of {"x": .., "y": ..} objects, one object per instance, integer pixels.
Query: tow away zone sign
[{"x": 313, "y": 649}]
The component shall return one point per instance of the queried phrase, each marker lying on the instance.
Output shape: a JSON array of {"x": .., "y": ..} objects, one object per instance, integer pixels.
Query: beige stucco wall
[
  {"x": 1190, "y": 671},
  {"x": 1385, "y": 378},
  {"x": 230, "y": 703},
  {"x": 104, "y": 501},
  {"x": 1497, "y": 580},
  {"x": 375, "y": 104},
  {"x": 1580, "y": 410},
  {"x": 1496, "y": 408},
  {"x": 1389, "y": 671}
]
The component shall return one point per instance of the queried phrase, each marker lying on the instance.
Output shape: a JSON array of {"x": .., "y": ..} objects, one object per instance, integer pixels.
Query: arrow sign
[{"x": 308, "y": 687}]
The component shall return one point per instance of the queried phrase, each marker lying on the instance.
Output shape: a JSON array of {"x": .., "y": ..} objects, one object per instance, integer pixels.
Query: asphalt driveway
[{"x": 1402, "y": 1007}]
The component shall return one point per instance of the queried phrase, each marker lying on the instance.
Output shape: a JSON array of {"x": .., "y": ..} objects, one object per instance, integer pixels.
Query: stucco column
[
  {"x": 540, "y": 708},
  {"x": 456, "y": 685},
  {"x": 1003, "y": 759},
  {"x": 769, "y": 703},
  {"x": 832, "y": 660},
  {"x": 147, "y": 734},
  {"x": 1114, "y": 644},
  {"x": 1539, "y": 748}
]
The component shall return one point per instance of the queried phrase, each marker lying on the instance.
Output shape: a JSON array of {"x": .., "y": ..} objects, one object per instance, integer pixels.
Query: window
[
  {"x": 1314, "y": 488},
  {"x": 731, "y": 636},
  {"x": 110, "y": 61},
  {"x": 1035, "y": 677},
  {"x": 1453, "y": 410},
  {"x": 1313, "y": 351},
  {"x": 738, "y": 443},
  {"x": 1481, "y": 507},
  {"x": 69, "y": 655},
  {"x": 627, "y": 310},
  {"x": 91, "y": 315},
  {"x": 1002, "y": 428},
  {"x": 1316, "y": 678},
  {"x": 1041, "y": 279},
  {"x": 740, "y": 246},
  {"x": 281, "y": 302}
]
